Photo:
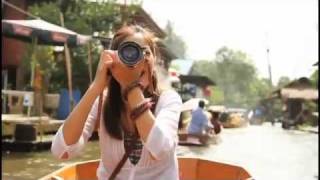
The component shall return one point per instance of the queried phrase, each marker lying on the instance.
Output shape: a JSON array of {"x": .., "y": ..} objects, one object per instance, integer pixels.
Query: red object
[
  {"x": 216, "y": 126},
  {"x": 173, "y": 73},
  {"x": 13, "y": 50},
  {"x": 206, "y": 91}
]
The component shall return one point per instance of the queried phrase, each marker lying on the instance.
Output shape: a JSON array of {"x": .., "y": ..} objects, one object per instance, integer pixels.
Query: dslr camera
[{"x": 130, "y": 53}]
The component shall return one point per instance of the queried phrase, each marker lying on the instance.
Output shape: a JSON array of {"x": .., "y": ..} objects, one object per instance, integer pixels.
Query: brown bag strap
[
  {"x": 126, "y": 154},
  {"x": 122, "y": 161},
  {"x": 119, "y": 166}
]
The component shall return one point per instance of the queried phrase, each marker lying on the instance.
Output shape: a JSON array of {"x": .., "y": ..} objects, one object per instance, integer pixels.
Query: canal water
[{"x": 266, "y": 152}]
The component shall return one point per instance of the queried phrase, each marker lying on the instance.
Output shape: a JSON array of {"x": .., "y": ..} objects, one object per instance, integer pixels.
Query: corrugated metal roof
[{"x": 308, "y": 94}]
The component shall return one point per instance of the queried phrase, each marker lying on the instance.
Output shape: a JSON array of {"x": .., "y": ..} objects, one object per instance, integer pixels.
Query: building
[
  {"x": 14, "y": 50},
  {"x": 191, "y": 86},
  {"x": 293, "y": 96}
]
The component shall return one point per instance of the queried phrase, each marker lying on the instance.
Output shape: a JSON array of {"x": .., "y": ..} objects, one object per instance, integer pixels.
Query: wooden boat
[
  {"x": 189, "y": 169},
  {"x": 234, "y": 120},
  {"x": 186, "y": 139}
]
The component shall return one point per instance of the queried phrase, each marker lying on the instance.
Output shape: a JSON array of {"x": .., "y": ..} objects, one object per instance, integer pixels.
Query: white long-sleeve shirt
[{"x": 161, "y": 143}]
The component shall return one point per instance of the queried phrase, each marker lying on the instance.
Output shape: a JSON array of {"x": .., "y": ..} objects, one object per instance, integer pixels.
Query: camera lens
[{"x": 130, "y": 53}]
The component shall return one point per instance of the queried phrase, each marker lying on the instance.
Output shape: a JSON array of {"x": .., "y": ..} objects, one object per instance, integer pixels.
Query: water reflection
[
  {"x": 266, "y": 152},
  {"x": 30, "y": 166}
]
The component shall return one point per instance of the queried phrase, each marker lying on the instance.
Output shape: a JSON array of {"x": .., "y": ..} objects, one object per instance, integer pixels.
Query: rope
[{"x": 19, "y": 9}]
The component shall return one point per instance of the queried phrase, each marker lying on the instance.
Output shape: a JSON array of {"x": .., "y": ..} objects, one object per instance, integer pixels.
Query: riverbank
[{"x": 309, "y": 129}]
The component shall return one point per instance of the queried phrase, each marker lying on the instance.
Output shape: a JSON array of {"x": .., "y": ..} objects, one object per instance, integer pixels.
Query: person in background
[
  {"x": 215, "y": 121},
  {"x": 199, "y": 124}
]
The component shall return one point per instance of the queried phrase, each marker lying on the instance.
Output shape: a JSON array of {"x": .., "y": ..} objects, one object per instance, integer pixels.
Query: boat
[
  {"x": 232, "y": 120},
  {"x": 186, "y": 139},
  {"x": 189, "y": 169}
]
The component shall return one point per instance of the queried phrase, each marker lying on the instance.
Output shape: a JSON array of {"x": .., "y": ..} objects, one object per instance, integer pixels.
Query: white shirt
[{"x": 161, "y": 143}]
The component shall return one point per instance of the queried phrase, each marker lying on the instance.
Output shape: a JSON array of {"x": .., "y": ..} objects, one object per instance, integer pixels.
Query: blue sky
[{"x": 288, "y": 27}]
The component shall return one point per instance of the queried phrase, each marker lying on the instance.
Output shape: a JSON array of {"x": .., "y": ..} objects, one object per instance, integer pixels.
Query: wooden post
[
  {"x": 33, "y": 67},
  {"x": 68, "y": 66},
  {"x": 38, "y": 96},
  {"x": 90, "y": 62},
  {"x": 37, "y": 83}
]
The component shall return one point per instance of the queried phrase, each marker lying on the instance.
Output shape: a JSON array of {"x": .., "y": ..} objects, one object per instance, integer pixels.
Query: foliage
[
  {"x": 235, "y": 76},
  {"x": 315, "y": 78},
  {"x": 83, "y": 17},
  {"x": 284, "y": 80},
  {"x": 174, "y": 42},
  {"x": 217, "y": 96},
  {"x": 259, "y": 89},
  {"x": 45, "y": 57}
]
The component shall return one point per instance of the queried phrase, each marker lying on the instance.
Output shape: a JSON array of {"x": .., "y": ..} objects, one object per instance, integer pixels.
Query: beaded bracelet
[
  {"x": 131, "y": 87},
  {"x": 140, "y": 109}
]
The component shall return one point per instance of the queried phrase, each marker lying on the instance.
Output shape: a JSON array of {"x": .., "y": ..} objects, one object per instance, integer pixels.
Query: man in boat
[{"x": 199, "y": 125}]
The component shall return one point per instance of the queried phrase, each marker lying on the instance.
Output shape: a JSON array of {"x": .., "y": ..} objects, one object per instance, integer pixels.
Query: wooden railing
[{"x": 15, "y": 100}]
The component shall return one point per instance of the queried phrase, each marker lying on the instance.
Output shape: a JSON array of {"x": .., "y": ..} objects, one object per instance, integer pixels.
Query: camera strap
[
  {"x": 130, "y": 149},
  {"x": 126, "y": 154},
  {"x": 97, "y": 125}
]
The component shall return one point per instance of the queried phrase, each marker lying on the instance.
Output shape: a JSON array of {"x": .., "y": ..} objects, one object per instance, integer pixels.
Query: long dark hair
[{"x": 114, "y": 104}]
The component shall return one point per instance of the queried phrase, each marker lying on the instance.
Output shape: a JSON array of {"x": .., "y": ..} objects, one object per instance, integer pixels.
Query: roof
[
  {"x": 302, "y": 82},
  {"x": 307, "y": 94},
  {"x": 45, "y": 32},
  {"x": 297, "y": 89},
  {"x": 197, "y": 80},
  {"x": 141, "y": 17},
  {"x": 39, "y": 24},
  {"x": 183, "y": 66}
]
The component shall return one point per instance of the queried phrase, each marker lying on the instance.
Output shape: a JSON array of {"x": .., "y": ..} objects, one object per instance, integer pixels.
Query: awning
[
  {"x": 307, "y": 94},
  {"x": 46, "y": 33},
  {"x": 197, "y": 80}
]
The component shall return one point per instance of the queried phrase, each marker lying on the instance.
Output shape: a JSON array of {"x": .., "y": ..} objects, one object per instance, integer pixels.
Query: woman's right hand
[{"x": 102, "y": 78}]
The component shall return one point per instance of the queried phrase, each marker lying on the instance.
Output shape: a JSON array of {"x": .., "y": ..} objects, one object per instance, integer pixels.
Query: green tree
[
  {"x": 174, "y": 42},
  {"x": 45, "y": 57},
  {"x": 284, "y": 80},
  {"x": 259, "y": 89},
  {"x": 217, "y": 96},
  {"x": 314, "y": 78},
  {"x": 235, "y": 72},
  {"x": 236, "y": 78},
  {"x": 83, "y": 17}
]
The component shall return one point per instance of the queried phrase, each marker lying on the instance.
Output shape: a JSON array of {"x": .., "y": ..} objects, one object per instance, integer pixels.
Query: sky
[{"x": 288, "y": 27}]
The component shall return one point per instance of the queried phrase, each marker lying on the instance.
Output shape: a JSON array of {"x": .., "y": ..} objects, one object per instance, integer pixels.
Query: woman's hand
[{"x": 102, "y": 78}]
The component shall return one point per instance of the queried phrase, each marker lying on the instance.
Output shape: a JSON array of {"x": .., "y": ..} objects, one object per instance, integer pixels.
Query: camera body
[{"x": 130, "y": 53}]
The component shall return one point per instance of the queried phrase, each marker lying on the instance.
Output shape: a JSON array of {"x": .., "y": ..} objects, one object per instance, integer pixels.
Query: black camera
[{"x": 130, "y": 53}]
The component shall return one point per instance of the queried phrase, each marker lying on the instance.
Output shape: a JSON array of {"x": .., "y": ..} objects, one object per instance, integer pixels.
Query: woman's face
[{"x": 148, "y": 55}]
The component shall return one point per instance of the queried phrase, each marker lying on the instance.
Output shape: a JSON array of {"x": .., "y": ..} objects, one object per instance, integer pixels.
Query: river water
[{"x": 266, "y": 152}]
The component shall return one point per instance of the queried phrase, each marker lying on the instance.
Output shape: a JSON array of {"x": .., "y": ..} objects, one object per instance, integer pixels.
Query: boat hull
[{"x": 189, "y": 169}]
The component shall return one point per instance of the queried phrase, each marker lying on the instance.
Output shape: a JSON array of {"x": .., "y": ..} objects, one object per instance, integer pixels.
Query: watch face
[{"x": 130, "y": 53}]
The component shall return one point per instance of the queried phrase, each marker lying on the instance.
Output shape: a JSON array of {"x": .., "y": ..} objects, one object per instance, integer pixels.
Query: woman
[{"x": 143, "y": 140}]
